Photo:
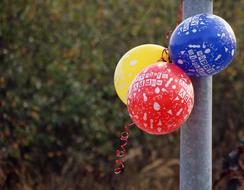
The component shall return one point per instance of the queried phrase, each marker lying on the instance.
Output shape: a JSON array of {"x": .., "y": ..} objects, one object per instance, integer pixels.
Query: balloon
[
  {"x": 202, "y": 45},
  {"x": 132, "y": 63},
  {"x": 160, "y": 98}
]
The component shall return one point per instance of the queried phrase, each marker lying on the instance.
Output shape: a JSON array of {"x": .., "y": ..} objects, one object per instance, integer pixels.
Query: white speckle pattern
[
  {"x": 157, "y": 90},
  {"x": 194, "y": 30},
  {"x": 180, "y": 61},
  {"x": 133, "y": 62},
  {"x": 179, "y": 112},
  {"x": 218, "y": 57},
  {"x": 159, "y": 129},
  {"x": 232, "y": 52},
  {"x": 182, "y": 52},
  {"x": 164, "y": 90},
  {"x": 121, "y": 86},
  {"x": 226, "y": 49},
  {"x": 204, "y": 45},
  {"x": 207, "y": 50},
  {"x": 144, "y": 97},
  {"x": 168, "y": 82},
  {"x": 174, "y": 87},
  {"x": 159, "y": 123},
  {"x": 145, "y": 116},
  {"x": 151, "y": 123},
  {"x": 156, "y": 106},
  {"x": 160, "y": 65},
  {"x": 177, "y": 98},
  {"x": 170, "y": 112},
  {"x": 194, "y": 46}
]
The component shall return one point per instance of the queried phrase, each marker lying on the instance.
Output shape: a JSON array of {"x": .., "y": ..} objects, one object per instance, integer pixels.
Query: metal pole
[{"x": 196, "y": 135}]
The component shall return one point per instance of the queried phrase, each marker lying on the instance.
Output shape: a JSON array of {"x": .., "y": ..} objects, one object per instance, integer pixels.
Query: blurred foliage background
[{"x": 60, "y": 117}]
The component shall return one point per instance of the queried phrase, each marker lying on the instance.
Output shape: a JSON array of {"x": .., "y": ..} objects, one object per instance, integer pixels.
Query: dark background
[{"x": 60, "y": 115}]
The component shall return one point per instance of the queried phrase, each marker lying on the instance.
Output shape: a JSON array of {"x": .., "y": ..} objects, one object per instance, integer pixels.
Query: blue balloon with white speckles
[{"x": 202, "y": 45}]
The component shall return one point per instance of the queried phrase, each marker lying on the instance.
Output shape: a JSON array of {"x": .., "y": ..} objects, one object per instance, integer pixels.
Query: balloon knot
[{"x": 165, "y": 56}]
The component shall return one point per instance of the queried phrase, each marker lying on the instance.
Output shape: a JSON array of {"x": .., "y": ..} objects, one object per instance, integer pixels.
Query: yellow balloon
[{"x": 133, "y": 62}]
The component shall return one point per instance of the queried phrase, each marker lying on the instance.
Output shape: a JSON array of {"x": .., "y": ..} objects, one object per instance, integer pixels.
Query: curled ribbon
[{"x": 121, "y": 151}]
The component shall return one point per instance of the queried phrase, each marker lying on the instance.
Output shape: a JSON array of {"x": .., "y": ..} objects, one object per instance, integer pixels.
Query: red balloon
[{"x": 160, "y": 98}]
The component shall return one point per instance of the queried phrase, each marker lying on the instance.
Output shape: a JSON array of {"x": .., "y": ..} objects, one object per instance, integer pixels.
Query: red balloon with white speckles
[{"x": 160, "y": 98}]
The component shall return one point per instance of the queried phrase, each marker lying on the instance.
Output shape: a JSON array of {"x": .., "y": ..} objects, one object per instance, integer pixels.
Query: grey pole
[{"x": 196, "y": 135}]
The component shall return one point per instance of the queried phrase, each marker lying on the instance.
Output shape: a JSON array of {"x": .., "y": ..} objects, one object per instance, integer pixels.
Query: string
[
  {"x": 165, "y": 54},
  {"x": 121, "y": 150},
  {"x": 179, "y": 17}
]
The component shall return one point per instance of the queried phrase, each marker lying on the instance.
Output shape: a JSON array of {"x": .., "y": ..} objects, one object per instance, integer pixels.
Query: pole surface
[{"x": 196, "y": 135}]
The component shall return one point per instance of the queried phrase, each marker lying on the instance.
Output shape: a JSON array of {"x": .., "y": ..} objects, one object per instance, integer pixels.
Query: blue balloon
[{"x": 202, "y": 45}]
